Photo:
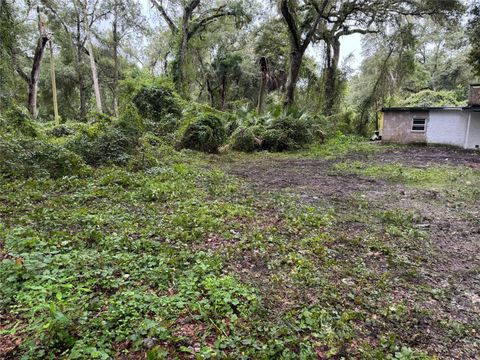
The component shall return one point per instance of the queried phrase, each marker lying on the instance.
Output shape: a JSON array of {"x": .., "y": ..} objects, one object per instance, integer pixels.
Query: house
[{"x": 459, "y": 126}]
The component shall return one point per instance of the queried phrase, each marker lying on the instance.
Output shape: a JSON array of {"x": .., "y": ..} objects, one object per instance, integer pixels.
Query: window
[{"x": 419, "y": 125}]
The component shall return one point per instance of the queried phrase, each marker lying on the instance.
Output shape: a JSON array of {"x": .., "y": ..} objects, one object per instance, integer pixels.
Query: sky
[{"x": 352, "y": 45}]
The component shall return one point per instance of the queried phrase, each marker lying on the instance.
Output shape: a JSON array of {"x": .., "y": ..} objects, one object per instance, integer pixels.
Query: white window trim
[{"x": 419, "y": 131}]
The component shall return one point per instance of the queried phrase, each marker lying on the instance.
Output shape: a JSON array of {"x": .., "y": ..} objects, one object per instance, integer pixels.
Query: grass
[
  {"x": 184, "y": 260},
  {"x": 459, "y": 179},
  {"x": 342, "y": 145}
]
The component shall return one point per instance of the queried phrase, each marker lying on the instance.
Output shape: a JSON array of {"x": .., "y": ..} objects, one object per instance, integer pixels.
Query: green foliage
[
  {"x": 206, "y": 133},
  {"x": 156, "y": 101},
  {"x": 17, "y": 121},
  {"x": 185, "y": 260},
  {"x": 425, "y": 177},
  {"x": 226, "y": 297},
  {"x": 37, "y": 158},
  {"x": 430, "y": 98},
  {"x": 340, "y": 145},
  {"x": 473, "y": 29},
  {"x": 8, "y": 41},
  {"x": 345, "y": 122},
  {"x": 244, "y": 139},
  {"x": 274, "y": 131},
  {"x": 286, "y": 132},
  {"x": 109, "y": 141},
  {"x": 60, "y": 131}
]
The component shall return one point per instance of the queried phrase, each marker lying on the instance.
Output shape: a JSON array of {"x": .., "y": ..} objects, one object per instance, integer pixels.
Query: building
[{"x": 458, "y": 126}]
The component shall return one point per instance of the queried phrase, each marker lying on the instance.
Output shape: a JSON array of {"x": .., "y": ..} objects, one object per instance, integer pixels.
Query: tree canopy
[{"x": 237, "y": 54}]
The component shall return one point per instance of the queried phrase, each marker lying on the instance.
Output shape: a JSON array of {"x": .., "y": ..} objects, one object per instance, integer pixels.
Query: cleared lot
[{"x": 350, "y": 250}]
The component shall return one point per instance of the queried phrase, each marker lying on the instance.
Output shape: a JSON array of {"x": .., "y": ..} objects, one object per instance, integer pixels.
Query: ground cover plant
[
  {"x": 192, "y": 180},
  {"x": 293, "y": 255}
]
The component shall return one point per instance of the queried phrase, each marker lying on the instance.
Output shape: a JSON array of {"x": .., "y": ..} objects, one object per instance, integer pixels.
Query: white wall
[
  {"x": 474, "y": 132},
  {"x": 447, "y": 127}
]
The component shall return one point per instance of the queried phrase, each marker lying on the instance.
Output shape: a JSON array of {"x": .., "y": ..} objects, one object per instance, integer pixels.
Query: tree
[
  {"x": 68, "y": 20},
  {"x": 473, "y": 29},
  {"x": 7, "y": 45},
  {"x": 195, "y": 19},
  {"x": 271, "y": 49},
  {"x": 126, "y": 18},
  {"x": 328, "y": 20},
  {"x": 32, "y": 78},
  {"x": 226, "y": 66},
  {"x": 345, "y": 18},
  {"x": 88, "y": 41},
  {"x": 302, "y": 19},
  {"x": 54, "y": 85}
]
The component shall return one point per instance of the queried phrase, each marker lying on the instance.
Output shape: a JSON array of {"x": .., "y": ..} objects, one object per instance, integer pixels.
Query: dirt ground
[{"x": 451, "y": 253}]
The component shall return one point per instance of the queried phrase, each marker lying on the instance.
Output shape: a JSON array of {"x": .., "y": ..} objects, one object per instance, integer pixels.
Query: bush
[
  {"x": 17, "y": 121},
  {"x": 24, "y": 158},
  {"x": 107, "y": 143},
  {"x": 206, "y": 134},
  {"x": 244, "y": 139},
  {"x": 60, "y": 131},
  {"x": 286, "y": 133},
  {"x": 148, "y": 153},
  {"x": 347, "y": 122},
  {"x": 160, "y": 106}
]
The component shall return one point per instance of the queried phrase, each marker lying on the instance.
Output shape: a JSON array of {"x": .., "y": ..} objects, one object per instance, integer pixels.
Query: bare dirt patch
[
  {"x": 430, "y": 155},
  {"x": 446, "y": 259}
]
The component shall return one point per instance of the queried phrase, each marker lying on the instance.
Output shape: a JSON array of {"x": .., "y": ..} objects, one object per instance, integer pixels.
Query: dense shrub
[
  {"x": 148, "y": 154},
  {"x": 206, "y": 133},
  {"x": 346, "y": 122},
  {"x": 60, "y": 131},
  {"x": 159, "y": 105},
  {"x": 243, "y": 139},
  {"x": 107, "y": 143},
  {"x": 23, "y": 158},
  {"x": 17, "y": 121},
  {"x": 286, "y": 133}
]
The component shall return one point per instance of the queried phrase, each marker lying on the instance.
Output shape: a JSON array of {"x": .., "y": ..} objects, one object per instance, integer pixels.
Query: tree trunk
[
  {"x": 35, "y": 73},
  {"x": 82, "y": 90},
  {"x": 178, "y": 76},
  {"x": 296, "y": 58},
  {"x": 54, "y": 86},
  {"x": 331, "y": 80},
  {"x": 115, "y": 59},
  {"x": 263, "y": 82},
  {"x": 223, "y": 92},
  {"x": 96, "y": 86},
  {"x": 210, "y": 92}
]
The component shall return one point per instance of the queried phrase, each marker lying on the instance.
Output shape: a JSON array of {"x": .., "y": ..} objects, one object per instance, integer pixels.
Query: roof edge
[{"x": 424, "y": 108}]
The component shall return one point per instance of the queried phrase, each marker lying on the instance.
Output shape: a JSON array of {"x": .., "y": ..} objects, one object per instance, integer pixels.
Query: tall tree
[
  {"x": 54, "y": 85},
  {"x": 88, "y": 40},
  {"x": 473, "y": 28},
  {"x": 345, "y": 18},
  {"x": 34, "y": 76},
  {"x": 302, "y": 19},
  {"x": 127, "y": 22},
  {"x": 67, "y": 20},
  {"x": 195, "y": 19},
  {"x": 7, "y": 44}
]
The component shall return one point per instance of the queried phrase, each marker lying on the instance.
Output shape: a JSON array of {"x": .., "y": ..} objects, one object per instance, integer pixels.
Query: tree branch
[
  {"x": 291, "y": 24},
  {"x": 313, "y": 28},
  {"x": 207, "y": 20},
  {"x": 191, "y": 6},
  {"x": 163, "y": 13}
]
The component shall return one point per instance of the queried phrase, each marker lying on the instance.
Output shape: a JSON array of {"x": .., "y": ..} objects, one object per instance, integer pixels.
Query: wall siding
[
  {"x": 474, "y": 132},
  {"x": 447, "y": 127},
  {"x": 397, "y": 127}
]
